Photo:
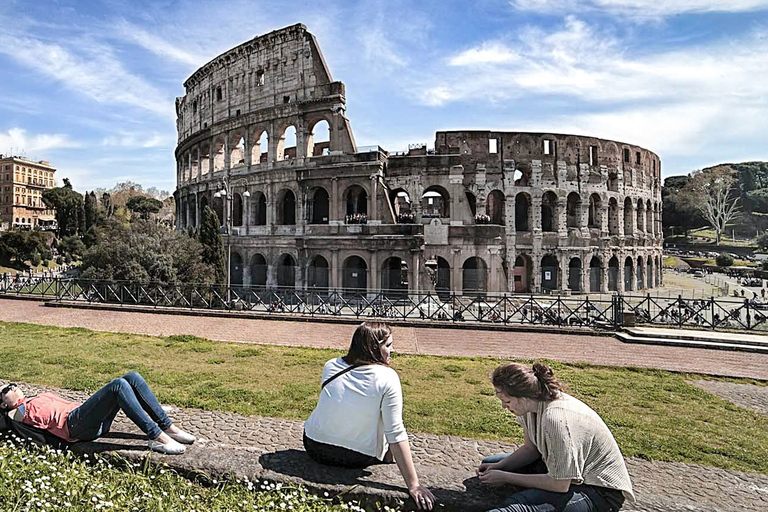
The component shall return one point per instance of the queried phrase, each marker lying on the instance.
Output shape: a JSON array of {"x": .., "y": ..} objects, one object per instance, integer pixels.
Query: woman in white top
[
  {"x": 358, "y": 420},
  {"x": 569, "y": 462}
]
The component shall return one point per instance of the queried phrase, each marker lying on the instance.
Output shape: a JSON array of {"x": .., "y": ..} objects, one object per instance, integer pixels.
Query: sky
[{"x": 90, "y": 85}]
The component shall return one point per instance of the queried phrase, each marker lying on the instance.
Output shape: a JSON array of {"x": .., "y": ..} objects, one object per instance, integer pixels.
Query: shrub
[{"x": 724, "y": 260}]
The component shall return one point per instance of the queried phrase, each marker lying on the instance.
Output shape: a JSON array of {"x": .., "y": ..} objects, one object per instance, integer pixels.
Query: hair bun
[{"x": 542, "y": 371}]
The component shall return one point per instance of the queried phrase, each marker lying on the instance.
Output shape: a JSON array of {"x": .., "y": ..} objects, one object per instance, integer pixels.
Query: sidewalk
[
  {"x": 593, "y": 349},
  {"x": 271, "y": 448}
]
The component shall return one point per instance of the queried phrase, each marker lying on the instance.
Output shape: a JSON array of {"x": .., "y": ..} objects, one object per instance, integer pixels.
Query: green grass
[
  {"x": 653, "y": 414},
  {"x": 36, "y": 479}
]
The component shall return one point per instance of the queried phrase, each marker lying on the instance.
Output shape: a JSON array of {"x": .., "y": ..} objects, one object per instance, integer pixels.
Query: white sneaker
[
  {"x": 181, "y": 437},
  {"x": 171, "y": 448}
]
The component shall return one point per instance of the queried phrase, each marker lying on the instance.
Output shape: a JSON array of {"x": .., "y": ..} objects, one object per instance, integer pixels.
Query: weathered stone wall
[{"x": 485, "y": 211}]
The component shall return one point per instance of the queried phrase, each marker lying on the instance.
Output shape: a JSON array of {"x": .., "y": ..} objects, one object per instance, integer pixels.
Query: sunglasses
[{"x": 8, "y": 388}]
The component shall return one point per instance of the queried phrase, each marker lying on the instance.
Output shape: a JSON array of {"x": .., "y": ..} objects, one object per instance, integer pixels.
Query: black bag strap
[{"x": 342, "y": 372}]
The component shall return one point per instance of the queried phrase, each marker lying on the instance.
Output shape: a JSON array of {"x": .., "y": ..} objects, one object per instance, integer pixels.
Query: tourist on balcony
[
  {"x": 569, "y": 462},
  {"x": 358, "y": 420},
  {"x": 72, "y": 421}
]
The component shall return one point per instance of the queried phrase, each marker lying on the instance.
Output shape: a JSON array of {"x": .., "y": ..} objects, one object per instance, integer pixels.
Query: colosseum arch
[
  {"x": 259, "y": 270},
  {"x": 573, "y": 209},
  {"x": 495, "y": 207},
  {"x": 628, "y": 212},
  {"x": 354, "y": 275},
  {"x": 650, "y": 228},
  {"x": 649, "y": 271},
  {"x": 574, "y": 274},
  {"x": 629, "y": 274},
  {"x": 595, "y": 219},
  {"x": 192, "y": 207},
  {"x": 474, "y": 276},
  {"x": 194, "y": 163},
  {"x": 523, "y": 212},
  {"x": 286, "y": 144},
  {"x": 640, "y": 274},
  {"x": 402, "y": 206},
  {"x": 595, "y": 275},
  {"x": 286, "y": 207},
  {"x": 356, "y": 199},
  {"x": 286, "y": 271},
  {"x": 443, "y": 283},
  {"x": 237, "y": 149},
  {"x": 205, "y": 160},
  {"x": 640, "y": 216},
  {"x": 394, "y": 277},
  {"x": 236, "y": 269},
  {"x": 435, "y": 203},
  {"x": 259, "y": 146},
  {"x": 549, "y": 211},
  {"x": 319, "y": 138},
  {"x": 258, "y": 208},
  {"x": 613, "y": 274},
  {"x": 319, "y": 206},
  {"x": 318, "y": 274},
  {"x": 238, "y": 206},
  {"x": 550, "y": 272},
  {"x": 218, "y": 155},
  {"x": 522, "y": 273}
]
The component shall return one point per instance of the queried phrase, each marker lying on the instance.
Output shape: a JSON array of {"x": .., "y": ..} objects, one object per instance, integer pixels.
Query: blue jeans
[
  {"x": 129, "y": 393},
  {"x": 578, "y": 498}
]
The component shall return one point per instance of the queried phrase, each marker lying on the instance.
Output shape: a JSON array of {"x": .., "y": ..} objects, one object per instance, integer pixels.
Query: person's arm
[
  {"x": 521, "y": 457},
  {"x": 544, "y": 482},
  {"x": 421, "y": 495}
]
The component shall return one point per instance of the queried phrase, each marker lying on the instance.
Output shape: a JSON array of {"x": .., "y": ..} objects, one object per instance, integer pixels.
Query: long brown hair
[
  {"x": 518, "y": 380},
  {"x": 364, "y": 348}
]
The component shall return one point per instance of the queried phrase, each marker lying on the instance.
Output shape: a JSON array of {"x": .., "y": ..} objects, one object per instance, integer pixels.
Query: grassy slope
[{"x": 653, "y": 414}]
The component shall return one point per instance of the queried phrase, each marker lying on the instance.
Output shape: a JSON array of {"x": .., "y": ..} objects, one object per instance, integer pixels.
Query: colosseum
[{"x": 263, "y": 139}]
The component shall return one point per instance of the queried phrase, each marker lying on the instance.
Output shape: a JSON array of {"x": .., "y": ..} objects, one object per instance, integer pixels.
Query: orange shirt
[{"x": 49, "y": 411}]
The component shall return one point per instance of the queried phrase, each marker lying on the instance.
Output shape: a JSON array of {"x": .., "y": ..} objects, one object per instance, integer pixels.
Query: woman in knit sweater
[
  {"x": 358, "y": 420},
  {"x": 569, "y": 462}
]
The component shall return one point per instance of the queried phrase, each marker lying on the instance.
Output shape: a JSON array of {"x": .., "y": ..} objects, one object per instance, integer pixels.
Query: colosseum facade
[{"x": 483, "y": 211}]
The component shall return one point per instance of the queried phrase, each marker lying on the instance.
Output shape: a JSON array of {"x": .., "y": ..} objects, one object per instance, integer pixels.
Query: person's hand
[
  {"x": 485, "y": 466},
  {"x": 493, "y": 477},
  {"x": 424, "y": 499}
]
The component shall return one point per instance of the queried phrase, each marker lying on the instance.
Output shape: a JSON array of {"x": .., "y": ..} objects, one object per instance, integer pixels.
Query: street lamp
[{"x": 225, "y": 192}]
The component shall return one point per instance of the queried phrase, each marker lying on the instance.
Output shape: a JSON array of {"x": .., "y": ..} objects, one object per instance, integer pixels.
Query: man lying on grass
[{"x": 92, "y": 419}]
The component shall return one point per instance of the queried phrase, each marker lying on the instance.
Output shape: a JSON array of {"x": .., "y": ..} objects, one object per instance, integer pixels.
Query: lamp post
[{"x": 226, "y": 193}]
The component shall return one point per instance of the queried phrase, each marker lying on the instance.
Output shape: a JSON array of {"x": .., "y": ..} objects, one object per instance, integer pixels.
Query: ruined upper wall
[{"x": 268, "y": 74}]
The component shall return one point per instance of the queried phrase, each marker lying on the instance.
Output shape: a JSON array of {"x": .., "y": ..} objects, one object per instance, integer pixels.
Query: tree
[
  {"x": 724, "y": 260},
  {"x": 713, "y": 193},
  {"x": 70, "y": 214},
  {"x": 91, "y": 210},
  {"x": 143, "y": 205},
  {"x": 72, "y": 247},
  {"x": 213, "y": 243},
  {"x": 675, "y": 210},
  {"x": 106, "y": 204},
  {"x": 25, "y": 245}
]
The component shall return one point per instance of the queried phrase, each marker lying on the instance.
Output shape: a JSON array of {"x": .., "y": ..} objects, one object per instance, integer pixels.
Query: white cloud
[
  {"x": 157, "y": 45},
  {"x": 640, "y": 8},
  {"x": 132, "y": 140},
  {"x": 491, "y": 52},
  {"x": 88, "y": 68},
  {"x": 16, "y": 139}
]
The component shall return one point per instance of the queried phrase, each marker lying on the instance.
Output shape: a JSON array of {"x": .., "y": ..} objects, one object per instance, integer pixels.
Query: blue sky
[{"x": 90, "y": 85}]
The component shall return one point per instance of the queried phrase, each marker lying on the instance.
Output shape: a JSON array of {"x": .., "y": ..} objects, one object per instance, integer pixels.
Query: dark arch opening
[
  {"x": 474, "y": 276},
  {"x": 394, "y": 277},
  {"x": 286, "y": 212},
  {"x": 320, "y": 207},
  {"x": 258, "y": 271},
  {"x": 286, "y": 272},
  {"x": 522, "y": 212},
  {"x": 549, "y": 271}
]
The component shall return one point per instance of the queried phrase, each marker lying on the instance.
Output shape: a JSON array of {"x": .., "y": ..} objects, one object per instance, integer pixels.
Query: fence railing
[{"x": 599, "y": 311}]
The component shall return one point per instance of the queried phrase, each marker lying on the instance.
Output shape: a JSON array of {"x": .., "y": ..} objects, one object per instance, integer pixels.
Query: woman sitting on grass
[
  {"x": 92, "y": 419},
  {"x": 580, "y": 467},
  {"x": 358, "y": 420}
]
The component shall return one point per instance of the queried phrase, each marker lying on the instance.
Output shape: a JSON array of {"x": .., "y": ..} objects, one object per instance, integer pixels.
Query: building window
[
  {"x": 218, "y": 93},
  {"x": 593, "y": 154},
  {"x": 626, "y": 155},
  {"x": 637, "y": 157},
  {"x": 259, "y": 78}
]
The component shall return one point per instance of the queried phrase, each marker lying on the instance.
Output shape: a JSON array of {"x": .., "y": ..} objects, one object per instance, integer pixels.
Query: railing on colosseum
[{"x": 607, "y": 311}]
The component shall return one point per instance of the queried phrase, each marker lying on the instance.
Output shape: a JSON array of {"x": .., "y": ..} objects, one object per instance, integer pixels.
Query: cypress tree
[{"x": 213, "y": 243}]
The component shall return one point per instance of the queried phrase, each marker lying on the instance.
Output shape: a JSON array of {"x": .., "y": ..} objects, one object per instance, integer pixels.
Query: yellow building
[{"x": 22, "y": 183}]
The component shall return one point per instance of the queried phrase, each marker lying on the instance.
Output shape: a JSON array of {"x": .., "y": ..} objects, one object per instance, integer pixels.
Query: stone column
[
  {"x": 511, "y": 257},
  {"x": 247, "y": 149},
  {"x": 536, "y": 272},
  {"x": 335, "y": 270},
  {"x": 247, "y": 212},
  {"x": 373, "y": 211},
  {"x": 563, "y": 261},
  {"x": 534, "y": 222},
  {"x": 456, "y": 274},
  {"x": 586, "y": 272},
  {"x": 605, "y": 214},
  {"x": 493, "y": 254},
  {"x": 227, "y": 163},
  {"x": 561, "y": 217},
  {"x": 415, "y": 287},
  {"x": 620, "y": 220},
  {"x": 211, "y": 155},
  {"x": 604, "y": 275},
  {"x": 375, "y": 272},
  {"x": 198, "y": 213},
  {"x": 620, "y": 277}
]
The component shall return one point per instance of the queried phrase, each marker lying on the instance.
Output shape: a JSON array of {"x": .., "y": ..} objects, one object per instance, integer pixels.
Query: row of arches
[{"x": 244, "y": 147}]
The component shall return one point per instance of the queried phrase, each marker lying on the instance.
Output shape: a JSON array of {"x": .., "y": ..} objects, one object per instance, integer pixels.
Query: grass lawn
[
  {"x": 653, "y": 414},
  {"x": 41, "y": 479}
]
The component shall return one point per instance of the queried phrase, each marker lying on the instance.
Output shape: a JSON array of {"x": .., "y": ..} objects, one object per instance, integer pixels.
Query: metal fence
[{"x": 608, "y": 311}]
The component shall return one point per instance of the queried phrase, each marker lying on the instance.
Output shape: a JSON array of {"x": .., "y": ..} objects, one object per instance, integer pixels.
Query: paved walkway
[
  {"x": 270, "y": 448},
  {"x": 594, "y": 349},
  {"x": 744, "y": 395}
]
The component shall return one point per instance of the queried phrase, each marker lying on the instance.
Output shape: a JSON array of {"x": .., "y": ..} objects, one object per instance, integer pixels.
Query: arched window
[
  {"x": 548, "y": 211},
  {"x": 319, "y": 140},
  {"x": 595, "y": 275},
  {"x": 401, "y": 206},
  {"x": 394, "y": 277},
  {"x": 640, "y": 274},
  {"x": 613, "y": 274},
  {"x": 218, "y": 156},
  {"x": 435, "y": 203},
  {"x": 474, "y": 276},
  {"x": 192, "y": 207},
  {"x": 574, "y": 274},
  {"x": 286, "y": 146},
  {"x": 522, "y": 273},
  {"x": 522, "y": 212},
  {"x": 357, "y": 205},
  {"x": 628, "y": 212},
  {"x": 354, "y": 276},
  {"x": 649, "y": 225},
  {"x": 286, "y": 208},
  {"x": 640, "y": 216},
  {"x": 237, "y": 153},
  {"x": 236, "y": 269},
  {"x": 258, "y": 209},
  {"x": 237, "y": 209},
  {"x": 260, "y": 149},
  {"x": 649, "y": 271},
  {"x": 286, "y": 272},
  {"x": 443, "y": 285},
  {"x": 319, "y": 207},
  {"x": 549, "y": 271},
  {"x": 628, "y": 275},
  {"x": 595, "y": 212},
  {"x": 258, "y": 271},
  {"x": 573, "y": 210},
  {"x": 495, "y": 205},
  {"x": 205, "y": 159},
  {"x": 317, "y": 274}
]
